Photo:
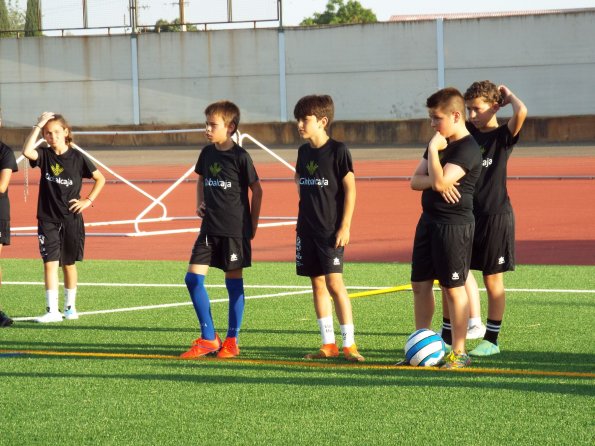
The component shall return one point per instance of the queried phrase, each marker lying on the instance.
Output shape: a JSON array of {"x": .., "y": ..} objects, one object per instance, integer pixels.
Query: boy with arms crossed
[
  {"x": 8, "y": 165},
  {"x": 60, "y": 225},
  {"x": 493, "y": 245},
  {"x": 225, "y": 173},
  {"x": 444, "y": 233},
  {"x": 326, "y": 187}
]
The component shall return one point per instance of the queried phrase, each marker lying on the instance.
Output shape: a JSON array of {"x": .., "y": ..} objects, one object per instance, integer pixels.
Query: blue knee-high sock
[
  {"x": 235, "y": 289},
  {"x": 200, "y": 299}
]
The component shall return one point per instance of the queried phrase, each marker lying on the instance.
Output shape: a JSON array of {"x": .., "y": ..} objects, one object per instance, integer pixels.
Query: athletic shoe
[
  {"x": 352, "y": 355},
  {"x": 50, "y": 316},
  {"x": 476, "y": 331},
  {"x": 202, "y": 347},
  {"x": 229, "y": 349},
  {"x": 70, "y": 313},
  {"x": 456, "y": 361},
  {"x": 325, "y": 352},
  {"x": 5, "y": 321},
  {"x": 447, "y": 349},
  {"x": 485, "y": 348}
]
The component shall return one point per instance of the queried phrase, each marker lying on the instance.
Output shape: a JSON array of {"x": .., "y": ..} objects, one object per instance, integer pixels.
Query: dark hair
[
  {"x": 229, "y": 112},
  {"x": 486, "y": 90},
  {"x": 320, "y": 106},
  {"x": 65, "y": 125},
  {"x": 447, "y": 100}
]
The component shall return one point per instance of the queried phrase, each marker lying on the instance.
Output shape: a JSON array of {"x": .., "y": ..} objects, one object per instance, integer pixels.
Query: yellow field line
[{"x": 314, "y": 364}]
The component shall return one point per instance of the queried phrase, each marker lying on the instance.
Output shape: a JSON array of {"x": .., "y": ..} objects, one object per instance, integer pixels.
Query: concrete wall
[{"x": 378, "y": 72}]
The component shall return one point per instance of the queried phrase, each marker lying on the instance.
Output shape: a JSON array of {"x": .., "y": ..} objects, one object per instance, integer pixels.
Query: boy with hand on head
[
  {"x": 60, "y": 225},
  {"x": 326, "y": 187},
  {"x": 493, "y": 245},
  {"x": 8, "y": 165},
  {"x": 446, "y": 175},
  {"x": 225, "y": 174}
]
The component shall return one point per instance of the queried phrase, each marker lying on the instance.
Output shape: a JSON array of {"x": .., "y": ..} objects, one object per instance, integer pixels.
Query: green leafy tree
[
  {"x": 11, "y": 19},
  {"x": 163, "y": 26},
  {"x": 4, "y": 21},
  {"x": 33, "y": 19},
  {"x": 338, "y": 12}
]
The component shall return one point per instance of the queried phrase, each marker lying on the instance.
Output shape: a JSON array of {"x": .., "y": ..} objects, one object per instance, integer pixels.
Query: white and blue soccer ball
[{"x": 424, "y": 348}]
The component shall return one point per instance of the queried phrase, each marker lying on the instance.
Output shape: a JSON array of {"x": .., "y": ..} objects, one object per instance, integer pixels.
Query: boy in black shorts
[
  {"x": 8, "y": 165},
  {"x": 60, "y": 229},
  {"x": 444, "y": 234},
  {"x": 225, "y": 174},
  {"x": 493, "y": 245},
  {"x": 326, "y": 187}
]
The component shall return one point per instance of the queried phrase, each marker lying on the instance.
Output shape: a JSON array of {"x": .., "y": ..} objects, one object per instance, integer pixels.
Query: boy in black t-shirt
[
  {"x": 225, "y": 174},
  {"x": 8, "y": 165},
  {"x": 60, "y": 229},
  {"x": 446, "y": 175},
  {"x": 493, "y": 245},
  {"x": 326, "y": 187}
]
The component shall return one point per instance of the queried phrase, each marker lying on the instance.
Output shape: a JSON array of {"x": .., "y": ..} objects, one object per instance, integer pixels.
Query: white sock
[
  {"x": 327, "y": 331},
  {"x": 51, "y": 300},
  {"x": 473, "y": 321},
  {"x": 348, "y": 333},
  {"x": 69, "y": 298}
]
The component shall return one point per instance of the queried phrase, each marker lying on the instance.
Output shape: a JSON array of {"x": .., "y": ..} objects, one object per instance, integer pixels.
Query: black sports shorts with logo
[
  {"x": 225, "y": 253},
  {"x": 493, "y": 244},
  {"x": 442, "y": 251},
  {"x": 315, "y": 256},
  {"x": 62, "y": 241},
  {"x": 4, "y": 232}
]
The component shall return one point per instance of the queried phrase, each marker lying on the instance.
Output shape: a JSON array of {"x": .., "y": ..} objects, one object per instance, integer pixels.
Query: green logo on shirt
[
  {"x": 215, "y": 169},
  {"x": 57, "y": 169},
  {"x": 311, "y": 166}
]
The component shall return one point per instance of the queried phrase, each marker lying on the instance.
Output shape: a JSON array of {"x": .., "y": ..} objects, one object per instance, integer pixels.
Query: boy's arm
[
  {"x": 77, "y": 206},
  {"x": 519, "y": 110},
  {"x": 441, "y": 179},
  {"x": 343, "y": 234},
  {"x": 29, "y": 151},
  {"x": 296, "y": 179},
  {"x": 4, "y": 180},
  {"x": 255, "y": 204},
  {"x": 420, "y": 179},
  {"x": 201, "y": 207}
]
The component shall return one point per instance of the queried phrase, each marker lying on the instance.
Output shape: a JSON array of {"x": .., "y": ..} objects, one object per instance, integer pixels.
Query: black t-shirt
[
  {"x": 464, "y": 153},
  {"x": 226, "y": 177},
  {"x": 320, "y": 178},
  {"x": 491, "y": 194},
  {"x": 61, "y": 181},
  {"x": 7, "y": 161}
]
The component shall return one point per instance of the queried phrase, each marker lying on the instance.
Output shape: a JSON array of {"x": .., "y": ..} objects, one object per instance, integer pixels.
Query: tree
[
  {"x": 11, "y": 18},
  {"x": 337, "y": 12},
  {"x": 33, "y": 19},
  {"x": 163, "y": 26}
]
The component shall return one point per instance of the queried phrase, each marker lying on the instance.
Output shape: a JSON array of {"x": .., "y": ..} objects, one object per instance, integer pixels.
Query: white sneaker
[
  {"x": 70, "y": 314},
  {"x": 53, "y": 316},
  {"x": 476, "y": 331}
]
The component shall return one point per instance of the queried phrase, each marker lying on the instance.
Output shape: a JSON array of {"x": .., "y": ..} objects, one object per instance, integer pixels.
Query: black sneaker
[{"x": 5, "y": 321}]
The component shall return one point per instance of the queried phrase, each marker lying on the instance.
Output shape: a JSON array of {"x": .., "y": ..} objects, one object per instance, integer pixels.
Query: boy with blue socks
[{"x": 230, "y": 219}]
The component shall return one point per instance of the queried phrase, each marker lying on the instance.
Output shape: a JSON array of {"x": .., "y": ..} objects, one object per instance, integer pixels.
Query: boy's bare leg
[
  {"x": 473, "y": 293},
  {"x": 496, "y": 296},
  {"x": 458, "y": 308},
  {"x": 50, "y": 275},
  {"x": 322, "y": 298},
  {"x": 337, "y": 290},
  {"x": 70, "y": 276},
  {"x": 423, "y": 303}
]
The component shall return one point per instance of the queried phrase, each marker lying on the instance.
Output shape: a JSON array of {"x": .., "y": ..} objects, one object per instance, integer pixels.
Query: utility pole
[
  {"x": 229, "y": 13},
  {"x": 182, "y": 19},
  {"x": 85, "y": 21},
  {"x": 133, "y": 16}
]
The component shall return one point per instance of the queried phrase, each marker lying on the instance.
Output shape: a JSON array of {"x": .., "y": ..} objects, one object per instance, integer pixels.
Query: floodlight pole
[
  {"x": 133, "y": 16},
  {"x": 85, "y": 21},
  {"x": 182, "y": 18},
  {"x": 229, "y": 13},
  {"x": 280, "y": 12}
]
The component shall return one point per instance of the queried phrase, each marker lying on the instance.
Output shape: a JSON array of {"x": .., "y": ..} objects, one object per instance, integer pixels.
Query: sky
[{"x": 69, "y": 13}]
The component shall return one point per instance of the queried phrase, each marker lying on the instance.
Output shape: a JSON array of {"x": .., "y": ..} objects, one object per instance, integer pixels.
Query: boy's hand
[
  {"x": 438, "y": 142},
  {"x": 77, "y": 206},
  {"x": 452, "y": 194},
  {"x": 202, "y": 210},
  {"x": 342, "y": 237},
  {"x": 44, "y": 118},
  {"x": 506, "y": 94}
]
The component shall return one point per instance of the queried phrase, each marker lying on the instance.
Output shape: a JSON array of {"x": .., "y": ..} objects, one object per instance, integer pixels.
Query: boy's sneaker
[
  {"x": 70, "y": 313},
  {"x": 485, "y": 348},
  {"x": 5, "y": 321},
  {"x": 49, "y": 317},
  {"x": 229, "y": 349},
  {"x": 202, "y": 347},
  {"x": 352, "y": 355},
  {"x": 456, "y": 361},
  {"x": 325, "y": 352},
  {"x": 476, "y": 331}
]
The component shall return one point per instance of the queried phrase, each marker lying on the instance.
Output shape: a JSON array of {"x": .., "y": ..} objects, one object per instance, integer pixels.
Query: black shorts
[
  {"x": 4, "y": 232},
  {"x": 62, "y": 241},
  {"x": 443, "y": 252},
  {"x": 493, "y": 245},
  {"x": 316, "y": 256},
  {"x": 225, "y": 253}
]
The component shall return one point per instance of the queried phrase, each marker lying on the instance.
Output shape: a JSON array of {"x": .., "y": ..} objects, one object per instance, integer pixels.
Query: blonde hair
[{"x": 227, "y": 110}]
